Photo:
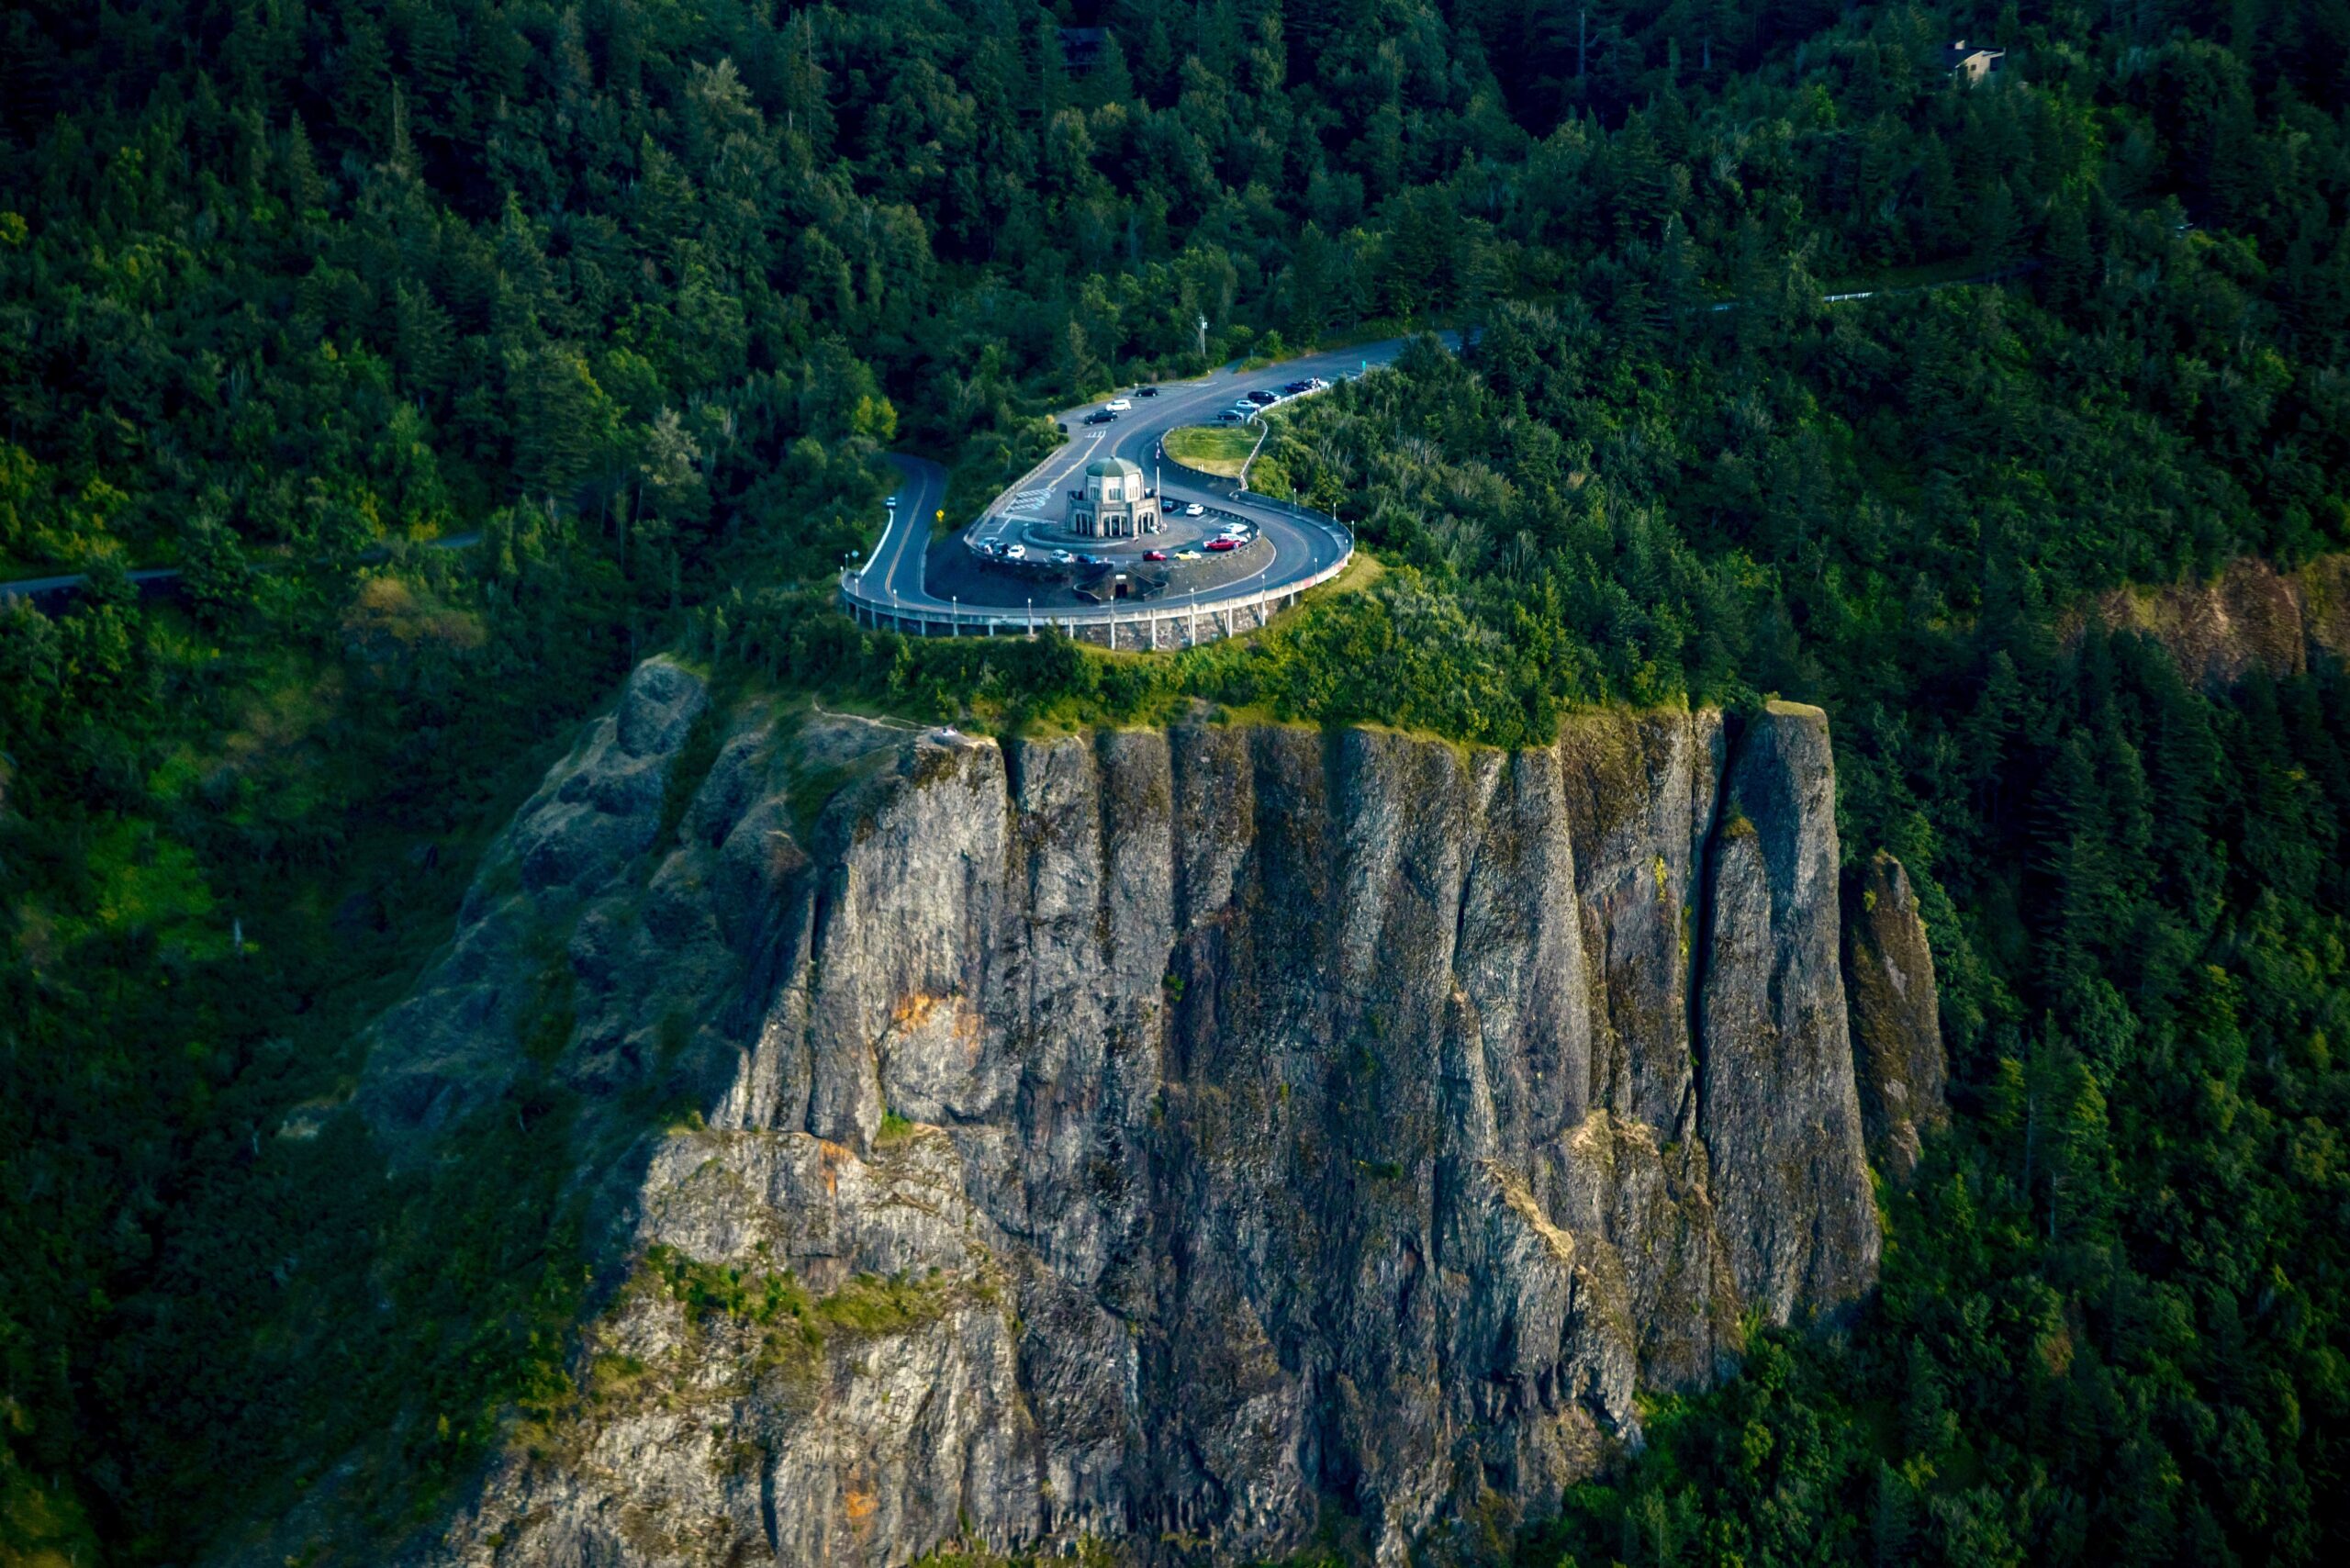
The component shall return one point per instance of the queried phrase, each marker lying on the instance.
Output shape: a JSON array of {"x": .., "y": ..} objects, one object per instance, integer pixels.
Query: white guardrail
[{"x": 1173, "y": 621}]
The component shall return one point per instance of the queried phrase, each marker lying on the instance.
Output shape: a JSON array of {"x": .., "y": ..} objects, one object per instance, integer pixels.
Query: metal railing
[{"x": 1174, "y": 621}]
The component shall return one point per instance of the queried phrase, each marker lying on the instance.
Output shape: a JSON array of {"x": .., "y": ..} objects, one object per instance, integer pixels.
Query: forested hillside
[{"x": 639, "y": 292}]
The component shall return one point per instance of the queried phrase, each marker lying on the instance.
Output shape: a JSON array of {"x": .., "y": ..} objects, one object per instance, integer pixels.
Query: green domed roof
[{"x": 1112, "y": 468}]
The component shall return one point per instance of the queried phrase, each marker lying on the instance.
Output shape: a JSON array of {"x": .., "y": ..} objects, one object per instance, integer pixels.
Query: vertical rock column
[
  {"x": 1897, "y": 1018},
  {"x": 1777, "y": 1106}
]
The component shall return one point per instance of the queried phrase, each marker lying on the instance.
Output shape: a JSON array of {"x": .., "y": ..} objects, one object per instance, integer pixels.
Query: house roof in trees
[{"x": 1976, "y": 59}]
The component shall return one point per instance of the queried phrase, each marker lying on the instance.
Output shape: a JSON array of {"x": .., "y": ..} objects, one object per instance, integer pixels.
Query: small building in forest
[
  {"x": 1115, "y": 502},
  {"x": 1973, "y": 61}
]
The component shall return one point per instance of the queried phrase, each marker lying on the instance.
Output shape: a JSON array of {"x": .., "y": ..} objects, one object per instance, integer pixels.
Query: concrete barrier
[{"x": 1160, "y": 624}]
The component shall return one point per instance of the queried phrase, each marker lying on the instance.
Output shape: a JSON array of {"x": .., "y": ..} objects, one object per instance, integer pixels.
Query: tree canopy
[{"x": 460, "y": 354}]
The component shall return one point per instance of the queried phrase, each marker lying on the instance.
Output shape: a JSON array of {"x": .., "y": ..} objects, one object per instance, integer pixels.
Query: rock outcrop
[
  {"x": 1153, "y": 1137},
  {"x": 1897, "y": 1018},
  {"x": 1777, "y": 1109},
  {"x": 2250, "y": 617}
]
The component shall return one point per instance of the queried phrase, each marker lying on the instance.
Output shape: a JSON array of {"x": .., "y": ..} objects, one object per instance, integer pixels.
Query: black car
[
  {"x": 1296, "y": 386},
  {"x": 1100, "y": 417},
  {"x": 1145, "y": 391},
  {"x": 1228, "y": 417},
  {"x": 1263, "y": 399}
]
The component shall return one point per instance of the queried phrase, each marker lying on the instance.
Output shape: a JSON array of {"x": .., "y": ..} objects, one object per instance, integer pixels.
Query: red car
[
  {"x": 1154, "y": 555},
  {"x": 1224, "y": 544}
]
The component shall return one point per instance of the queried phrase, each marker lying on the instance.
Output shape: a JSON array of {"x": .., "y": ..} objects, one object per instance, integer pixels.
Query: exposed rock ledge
[
  {"x": 2251, "y": 617},
  {"x": 1150, "y": 1136}
]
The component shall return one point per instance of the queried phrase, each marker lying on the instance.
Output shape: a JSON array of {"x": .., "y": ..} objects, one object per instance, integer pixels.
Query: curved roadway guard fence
[
  {"x": 1179, "y": 621},
  {"x": 895, "y": 596}
]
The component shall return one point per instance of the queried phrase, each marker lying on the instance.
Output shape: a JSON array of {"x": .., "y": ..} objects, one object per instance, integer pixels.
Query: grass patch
[
  {"x": 867, "y": 1303},
  {"x": 710, "y": 1289},
  {"x": 876, "y": 1303},
  {"x": 1362, "y": 572},
  {"x": 1220, "y": 450}
]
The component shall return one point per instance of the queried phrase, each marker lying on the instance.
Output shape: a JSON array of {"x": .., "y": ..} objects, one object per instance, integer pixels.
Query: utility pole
[
  {"x": 1203, "y": 337},
  {"x": 1583, "y": 39}
]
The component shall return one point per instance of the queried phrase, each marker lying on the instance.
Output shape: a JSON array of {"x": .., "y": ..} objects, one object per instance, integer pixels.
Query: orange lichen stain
[
  {"x": 913, "y": 1012},
  {"x": 829, "y": 1156},
  {"x": 860, "y": 1505}
]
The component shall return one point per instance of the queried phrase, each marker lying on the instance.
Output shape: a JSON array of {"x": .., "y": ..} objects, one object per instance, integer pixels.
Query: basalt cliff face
[{"x": 1152, "y": 1138}]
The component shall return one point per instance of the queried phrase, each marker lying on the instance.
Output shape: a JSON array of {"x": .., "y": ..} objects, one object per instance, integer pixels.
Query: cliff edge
[{"x": 1147, "y": 1138}]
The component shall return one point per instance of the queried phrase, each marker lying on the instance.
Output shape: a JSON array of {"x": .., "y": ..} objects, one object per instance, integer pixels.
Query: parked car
[
  {"x": 1227, "y": 542},
  {"x": 1230, "y": 416},
  {"x": 1145, "y": 391},
  {"x": 891, "y": 502},
  {"x": 1195, "y": 509},
  {"x": 1187, "y": 554},
  {"x": 1295, "y": 387},
  {"x": 1119, "y": 404},
  {"x": 1263, "y": 398},
  {"x": 1154, "y": 555},
  {"x": 1016, "y": 552},
  {"x": 1064, "y": 558},
  {"x": 1102, "y": 417}
]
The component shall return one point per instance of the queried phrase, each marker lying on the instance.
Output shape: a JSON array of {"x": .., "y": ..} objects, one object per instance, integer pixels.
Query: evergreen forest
[{"x": 458, "y": 353}]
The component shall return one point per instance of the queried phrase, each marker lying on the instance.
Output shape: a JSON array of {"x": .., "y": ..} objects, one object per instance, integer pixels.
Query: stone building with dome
[{"x": 1114, "y": 504}]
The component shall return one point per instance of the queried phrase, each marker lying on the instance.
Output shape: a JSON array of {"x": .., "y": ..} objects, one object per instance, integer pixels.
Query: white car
[
  {"x": 891, "y": 502},
  {"x": 1119, "y": 404},
  {"x": 1063, "y": 557},
  {"x": 1195, "y": 509},
  {"x": 1016, "y": 552}
]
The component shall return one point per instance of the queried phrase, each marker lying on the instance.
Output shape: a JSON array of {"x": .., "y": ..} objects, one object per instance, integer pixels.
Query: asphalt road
[
  {"x": 1289, "y": 549},
  {"x": 893, "y": 572}
]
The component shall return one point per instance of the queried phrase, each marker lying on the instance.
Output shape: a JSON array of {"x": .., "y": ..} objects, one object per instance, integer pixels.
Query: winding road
[{"x": 1295, "y": 547}]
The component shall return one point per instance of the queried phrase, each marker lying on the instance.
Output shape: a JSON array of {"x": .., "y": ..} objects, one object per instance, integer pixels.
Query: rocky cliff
[
  {"x": 1897, "y": 1018},
  {"x": 1149, "y": 1137},
  {"x": 2250, "y": 617}
]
